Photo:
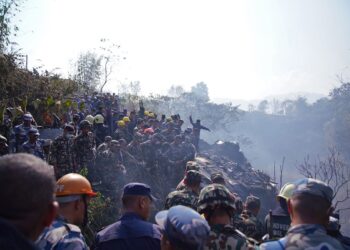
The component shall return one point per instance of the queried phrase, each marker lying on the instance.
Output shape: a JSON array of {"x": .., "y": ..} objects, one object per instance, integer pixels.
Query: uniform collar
[{"x": 307, "y": 229}]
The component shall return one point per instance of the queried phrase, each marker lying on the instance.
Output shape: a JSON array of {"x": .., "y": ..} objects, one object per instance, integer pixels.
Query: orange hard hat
[{"x": 74, "y": 184}]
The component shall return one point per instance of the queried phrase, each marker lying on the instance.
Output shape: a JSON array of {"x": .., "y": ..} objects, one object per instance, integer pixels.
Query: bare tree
[
  {"x": 281, "y": 172},
  {"x": 331, "y": 170}
]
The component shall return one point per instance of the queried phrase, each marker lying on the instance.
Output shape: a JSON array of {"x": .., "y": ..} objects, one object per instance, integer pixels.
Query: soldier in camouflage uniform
[
  {"x": 73, "y": 194},
  {"x": 310, "y": 207},
  {"x": 189, "y": 149},
  {"x": 112, "y": 170},
  {"x": 218, "y": 178},
  {"x": 61, "y": 156},
  {"x": 189, "y": 195},
  {"x": 177, "y": 159},
  {"x": 248, "y": 223},
  {"x": 134, "y": 147},
  {"x": 84, "y": 148},
  {"x": 105, "y": 145},
  {"x": 190, "y": 165},
  {"x": 217, "y": 204}
]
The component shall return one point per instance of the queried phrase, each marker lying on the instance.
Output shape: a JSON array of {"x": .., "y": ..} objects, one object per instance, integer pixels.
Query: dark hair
[{"x": 27, "y": 186}]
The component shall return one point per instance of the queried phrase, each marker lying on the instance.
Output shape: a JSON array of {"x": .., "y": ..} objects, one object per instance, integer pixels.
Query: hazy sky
[{"x": 241, "y": 49}]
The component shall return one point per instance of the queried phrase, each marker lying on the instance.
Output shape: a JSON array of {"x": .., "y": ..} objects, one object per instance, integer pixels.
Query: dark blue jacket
[
  {"x": 129, "y": 233},
  {"x": 11, "y": 238}
]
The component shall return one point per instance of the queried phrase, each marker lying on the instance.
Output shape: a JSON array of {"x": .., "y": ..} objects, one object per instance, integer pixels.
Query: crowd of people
[{"x": 46, "y": 198}]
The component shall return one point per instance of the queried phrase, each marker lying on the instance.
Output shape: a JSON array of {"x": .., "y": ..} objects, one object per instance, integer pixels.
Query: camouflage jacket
[
  {"x": 135, "y": 150},
  {"x": 176, "y": 152},
  {"x": 185, "y": 197},
  {"x": 61, "y": 236},
  {"x": 61, "y": 151},
  {"x": 84, "y": 149},
  {"x": 249, "y": 225},
  {"x": 190, "y": 151},
  {"x": 305, "y": 236},
  {"x": 225, "y": 237},
  {"x": 102, "y": 147}
]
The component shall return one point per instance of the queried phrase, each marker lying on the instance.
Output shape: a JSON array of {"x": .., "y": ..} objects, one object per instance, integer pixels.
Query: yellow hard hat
[
  {"x": 74, "y": 184},
  {"x": 121, "y": 123},
  {"x": 126, "y": 119},
  {"x": 146, "y": 113},
  {"x": 286, "y": 191}
]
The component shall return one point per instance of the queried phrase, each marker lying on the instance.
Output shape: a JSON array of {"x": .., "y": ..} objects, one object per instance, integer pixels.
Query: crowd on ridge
[{"x": 46, "y": 199}]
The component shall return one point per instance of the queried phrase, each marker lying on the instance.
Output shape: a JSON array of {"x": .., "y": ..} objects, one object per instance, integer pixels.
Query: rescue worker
[
  {"x": 84, "y": 148},
  {"x": 73, "y": 195},
  {"x": 132, "y": 231},
  {"x": 149, "y": 152},
  {"x": 27, "y": 186},
  {"x": 134, "y": 147},
  {"x": 112, "y": 169},
  {"x": 310, "y": 207},
  {"x": 218, "y": 205},
  {"x": 189, "y": 149},
  {"x": 33, "y": 145},
  {"x": 187, "y": 196},
  {"x": 100, "y": 129},
  {"x": 169, "y": 133},
  {"x": 218, "y": 178},
  {"x": 190, "y": 165},
  {"x": 21, "y": 131},
  {"x": 4, "y": 148},
  {"x": 277, "y": 222},
  {"x": 183, "y": 229},
  {"x": 250, "y": 224},
  {"x": 75, "y": 123},
  {"x": 122, "y": 132},
  {"x": 196, "y": 131},
  {"x": 105, "y": 145},
  {"x": 61, "y": 156},
  {"x": 177, "y": 158}
]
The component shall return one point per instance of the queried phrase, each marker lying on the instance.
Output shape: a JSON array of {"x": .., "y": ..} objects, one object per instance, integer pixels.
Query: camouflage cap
[
  {"x": 313, "y": 187},
  {"x": 183, "y": 227},
  {"x": 214, "y": 195},
  {"x": 192, "y": 165},
  {"x": 193, "y": 176},
  {"x": 217, "y": 177},
  {"x": 252, "y": 202}
]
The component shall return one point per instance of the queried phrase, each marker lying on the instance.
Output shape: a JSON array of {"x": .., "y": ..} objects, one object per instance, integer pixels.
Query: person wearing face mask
[{"x": 61, "y": 156}]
